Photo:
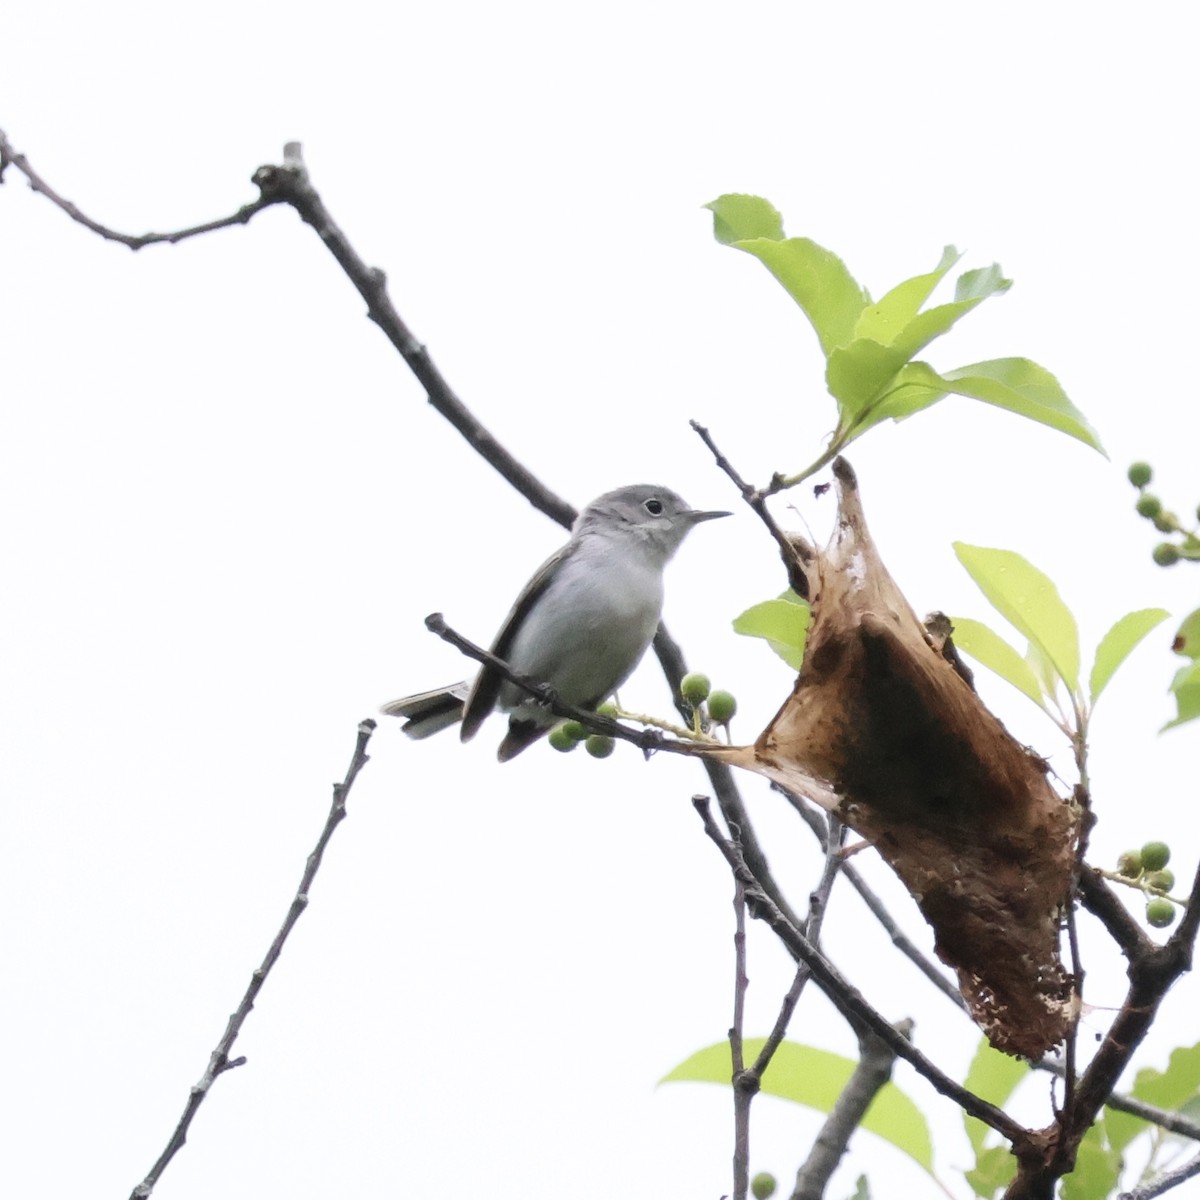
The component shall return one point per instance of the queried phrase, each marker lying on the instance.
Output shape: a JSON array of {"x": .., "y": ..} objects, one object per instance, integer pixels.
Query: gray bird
[{"x": 581, "y": 624}]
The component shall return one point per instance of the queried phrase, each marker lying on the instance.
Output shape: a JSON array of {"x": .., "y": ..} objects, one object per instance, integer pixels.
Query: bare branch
[
  {"x": 9, "y": 157},
  {"x": 1153, "y": 969},
  {"x": 817, "y": 907},
  {"x": 1164, "y": 1182},
  {"x": 219, "y": 1061},
  {"x": 744, "y": 1087},
  {"x": 747, "y": 1081},
  {"x": 847, "y": 999},
  {"x": 646, "y": 740},
  {"x": 874, "y": 1069},
  {"x": 816, "y": 822},
  {"x": 757, "y": 502}
]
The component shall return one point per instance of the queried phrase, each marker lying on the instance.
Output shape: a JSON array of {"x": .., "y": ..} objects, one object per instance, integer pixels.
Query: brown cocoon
[{"x": 882, "y": 729}]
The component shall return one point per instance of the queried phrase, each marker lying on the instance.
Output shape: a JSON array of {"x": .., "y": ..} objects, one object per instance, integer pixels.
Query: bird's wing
[{"x": 486, "y": 687}]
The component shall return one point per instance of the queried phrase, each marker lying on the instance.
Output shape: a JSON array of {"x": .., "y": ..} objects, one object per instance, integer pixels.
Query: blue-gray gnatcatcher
[{"x": 581, "y": 624}]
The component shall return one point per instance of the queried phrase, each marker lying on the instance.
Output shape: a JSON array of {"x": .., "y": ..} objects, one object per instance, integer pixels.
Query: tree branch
[
  {"x": 9, "y": 157},
  {"x": 1165, "y": 1182},
  {"x": 219, "y": 1061},
  {"x": 748, "y": 1081},
  {"x": 847, "y": 999},
  {"x": 814, "y": 820},
  {"x": 1152, "y": 970},
  {"x": 874, "y": 1069}
]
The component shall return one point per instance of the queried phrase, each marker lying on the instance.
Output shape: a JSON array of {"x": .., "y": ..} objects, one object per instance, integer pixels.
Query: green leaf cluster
[
  {"x": 1030, "y": 602},
  {"x": 870, "y": 347}
]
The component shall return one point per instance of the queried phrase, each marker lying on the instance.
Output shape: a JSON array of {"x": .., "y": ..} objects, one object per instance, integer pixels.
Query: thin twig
[
  {"x": 748, "y": 1081},
  {"x": 1164, "y": 1182},
  {"x": 219, "y": 1061},
  {"x": 817, "y": 907},
  {"x": 1163, "y": 1117},
  {"x": 743, "y": 1092},
  {"x": 815, "y": 821},
  {"x": 289, "y": 184},
  {"x": 8, "y": 156},
  {"x": 756, "y": 499}
]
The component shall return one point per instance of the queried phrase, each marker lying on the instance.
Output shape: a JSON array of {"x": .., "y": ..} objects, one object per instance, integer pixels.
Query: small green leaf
[
  {"x": 1187, "y": 639},
  {"x": 816, "y": 1078},
  {"x": 861, "y": 1190},
  {"x": 993, "y": 1077},
  {"x": 994, "y": 1169},
  {"x": 884, "y": 321},
  {"x": 1118, "y": 643},
  {"x": 1029, "y": 601},
  {"x": 989, "y": 648},
  {"x": 782, "y": 622},
  {"x": 1186, "y": 686},
  {"x": 927, "y": 326},
  {"x": 1176, "y": 1085},
  {"x": 981, "y": 283},
  {"x": 737, "y": 217},
  {"x": 1097, "y": 1168},
  {"x": 1123, "y": 1127},
  {"x": 856, "y": 374},
  {"x": 817, "y": 280}
]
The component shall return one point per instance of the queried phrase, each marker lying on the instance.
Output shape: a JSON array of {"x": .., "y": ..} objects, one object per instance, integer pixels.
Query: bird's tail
[{"x": 427, "y": 713}]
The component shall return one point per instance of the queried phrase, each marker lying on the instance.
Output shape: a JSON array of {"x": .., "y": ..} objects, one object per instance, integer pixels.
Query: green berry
[
  {"x": 721, "y": 706},
  {"x": 1161, "y": 881},
  {"x": 607, "y": 709},
  {"x": 1140, "y": 474},
  {"x": 1155, "y": 855},
  {"x": 599, "y": 746},
  {"x": 1148, "y": 505},
  {"x": 695, "y": 688},
  {"x": 1166, "y": 522},
  {"x": 763, "y": 1185},
  {"x": 1165, "y": 554},
  {"x": 573, "y": 730},
  {"x": 560, "y": 739},
  {"x": 1160, "y": 912},
  {"x": 1129, "y": 864}
]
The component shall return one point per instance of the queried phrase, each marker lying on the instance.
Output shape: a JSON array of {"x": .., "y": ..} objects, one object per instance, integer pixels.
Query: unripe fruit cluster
[
  {"x": 569, "y": 734},
  {"x": 696, "y": 688},
  {"x": 1149, "y": 866},
  {"x": 1165, "y": 554}
]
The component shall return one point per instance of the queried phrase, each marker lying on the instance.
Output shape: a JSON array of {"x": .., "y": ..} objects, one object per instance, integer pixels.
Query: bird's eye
[{"x": 653, "y": 507}]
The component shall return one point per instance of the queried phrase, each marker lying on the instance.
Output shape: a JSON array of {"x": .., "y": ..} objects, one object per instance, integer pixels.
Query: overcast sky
[{"x": 228, "y": 509}]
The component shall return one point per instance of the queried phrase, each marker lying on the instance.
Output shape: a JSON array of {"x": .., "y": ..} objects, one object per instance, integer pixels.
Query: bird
[{"x": 581, "y": 624}]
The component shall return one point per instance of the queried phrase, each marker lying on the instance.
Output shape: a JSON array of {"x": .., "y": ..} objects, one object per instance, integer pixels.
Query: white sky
[{"x": 229, "y": 508}]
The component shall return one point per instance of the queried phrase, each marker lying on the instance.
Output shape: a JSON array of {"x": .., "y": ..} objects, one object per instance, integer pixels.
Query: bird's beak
[{"x": 695, "y": 517}]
